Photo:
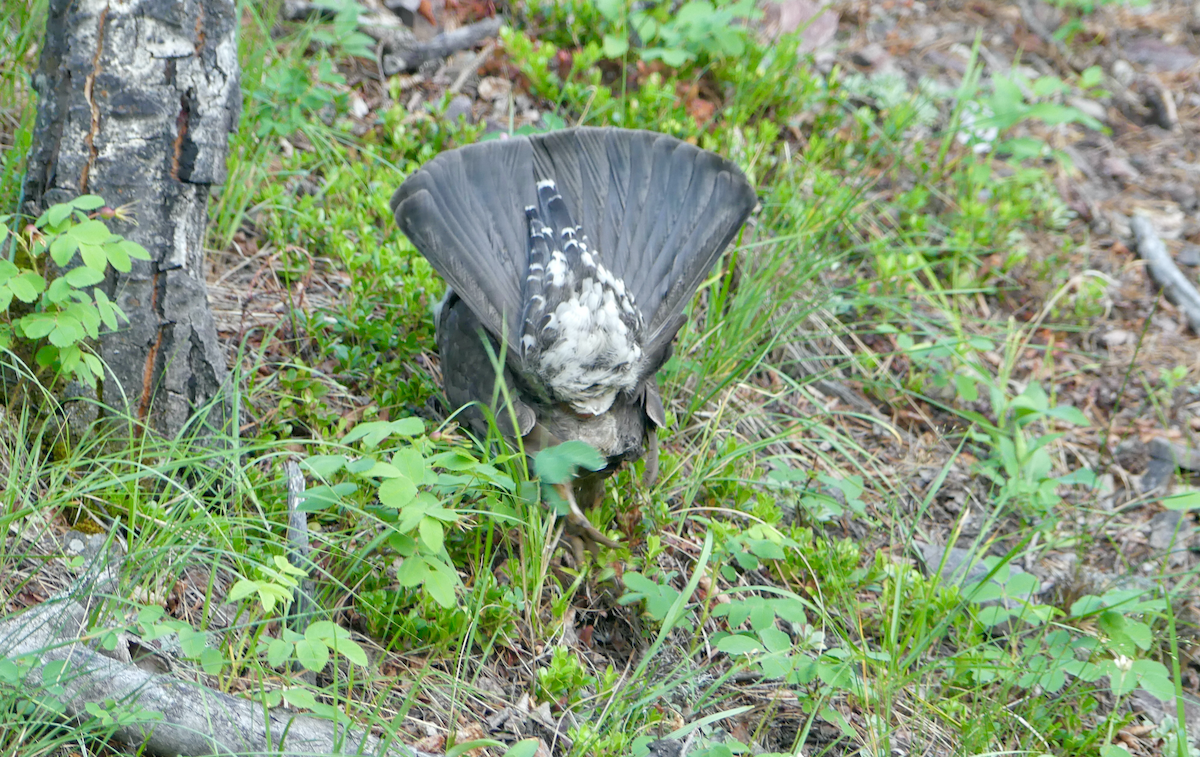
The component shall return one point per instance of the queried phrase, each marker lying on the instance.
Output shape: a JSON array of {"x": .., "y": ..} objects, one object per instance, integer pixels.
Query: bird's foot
[{"x": 579, "y": 530}]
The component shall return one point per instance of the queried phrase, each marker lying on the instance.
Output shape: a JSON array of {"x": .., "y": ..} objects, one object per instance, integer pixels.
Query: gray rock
[
  {"x": 1123, "y": 72},
  {"x": 459, "y": 106},
  {"x": 1169, "y": 530},
  {"x": 1189, "y": 256},
  {"x": 963, "y": 566}
]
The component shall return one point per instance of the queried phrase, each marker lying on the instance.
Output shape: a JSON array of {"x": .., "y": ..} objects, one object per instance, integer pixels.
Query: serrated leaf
[
  {"x": 55, "y": 215},
  {"x": 90, "y": 232},
  {"x": 412, "y": 464},
  {"x": 37, "y": 325},
  {"x": 116, "y": 255},
  {"x": 134, "y": 250},
  {"x": 397, "y": 492},
  {"x": 62, "y": 249},
  {"x": 27, "y": 286},
  {"x": 83, "y": 276},
  {"x": 93, "y": 257}
]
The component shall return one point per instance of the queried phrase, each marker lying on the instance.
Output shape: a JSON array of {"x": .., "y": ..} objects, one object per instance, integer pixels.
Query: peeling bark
[{"x": 137, "y": 101}]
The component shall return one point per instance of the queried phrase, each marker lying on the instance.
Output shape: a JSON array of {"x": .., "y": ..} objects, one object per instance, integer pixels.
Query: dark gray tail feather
[{"x": 657, "y": 211}]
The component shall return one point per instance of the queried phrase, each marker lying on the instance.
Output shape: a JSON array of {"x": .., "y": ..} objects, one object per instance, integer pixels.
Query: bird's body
[{"x": 573, "y": 255}]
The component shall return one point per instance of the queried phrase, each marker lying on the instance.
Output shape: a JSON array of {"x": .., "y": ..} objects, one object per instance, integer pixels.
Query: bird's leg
[
  {"x": 580, "y": 530},
  {"x": 650, "y": 472}
]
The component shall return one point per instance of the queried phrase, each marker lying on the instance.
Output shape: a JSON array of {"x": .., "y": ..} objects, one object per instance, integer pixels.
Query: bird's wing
[
  {"x": 464, "y": 211},
  {"x": 657, "y": 210}
]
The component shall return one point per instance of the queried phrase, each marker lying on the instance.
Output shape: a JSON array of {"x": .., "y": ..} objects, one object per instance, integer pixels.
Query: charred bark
[{"x": 137, "y": 101}]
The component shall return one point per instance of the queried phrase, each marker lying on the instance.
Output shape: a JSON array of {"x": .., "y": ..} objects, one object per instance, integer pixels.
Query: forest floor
[{"x": 934, "y": 440}]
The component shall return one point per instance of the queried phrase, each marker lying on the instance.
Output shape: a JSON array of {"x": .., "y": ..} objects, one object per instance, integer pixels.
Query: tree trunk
[{"x": 137, "y": 101}]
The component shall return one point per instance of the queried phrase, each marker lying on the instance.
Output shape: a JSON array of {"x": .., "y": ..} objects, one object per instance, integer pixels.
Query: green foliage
[
  {"x": 276, "y": 584},
  {"x": 676, "y": 36},
  {"x": 287, "y": 97},
  {"x": 313, "y": 648},
  {"x": 70, "y": 310},
  {"x": 557, "y": 464},
  {"x": 342, "y": 34},
  {"x": 564, "y": 679}
]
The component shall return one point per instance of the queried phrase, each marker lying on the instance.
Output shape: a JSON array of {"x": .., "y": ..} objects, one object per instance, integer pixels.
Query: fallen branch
[
  {"x": 403, "y": 55},
  {"x": 1178, "y": 288},
  {"x": 401, "y": 50},
  {"x": 183, "y": 718}
]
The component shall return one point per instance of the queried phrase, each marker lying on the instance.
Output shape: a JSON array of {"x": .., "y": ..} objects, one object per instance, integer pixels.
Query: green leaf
[
  {"x": 55, "y": 215},
  {"x": 93, "y": 256},
  {"x": 27, "y": 286},
  {"x": 62, "y": 249},
  {"x": 301, "y": 698},
  {"x": 557, "y": 464},
  {"x": 397, "y": 492},
  {"x": 83, "y": 276},
  {"x": 90, "y": 232},
  {"x": 466, "y": 746},
  {"x": 1184, "y": 501},
  {"x": 323, "y": 466},
  {"x": 1069, "y": 414},
  {"x": 775, "y": 640},
  {"x": 117, "y": 257},
  {"x": 87, "y": 202},
  {"x": 441, "y": 588},
  {"x": 1155, "y": 679},
  {"x": 278, "y": 651},
  {"x": 312, "y": 654},
  {"x": 59, "y": 291},
  {"x": 37, "y": 325},
  {"x": 67, "y": 331},
  {"x": 523, "y": 748},
  {"x": 374, "y": 432},
  {"x": 351, "y": 650},
  {"x": 740, "y": 645},
  {"x": 412, "y": 464},
  {"x": 613, "y": 10},
  {"x": 431, "y": 533},
  {"x": 614, "y": 46},
  {"x": 133, "y": 250},
  {"x": 323, "y": 496}
]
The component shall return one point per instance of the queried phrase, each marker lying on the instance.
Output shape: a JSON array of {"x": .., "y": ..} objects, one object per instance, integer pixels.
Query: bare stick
[{"x": 1176, "y": 286}]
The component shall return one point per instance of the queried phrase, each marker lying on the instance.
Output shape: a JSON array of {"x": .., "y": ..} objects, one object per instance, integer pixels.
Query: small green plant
[
  {"x": 70, "y": 309},
  {"x": 288, "y": 95},
  {"x": 675, "y": 37},
  {"x": 343, "y": 34},
  {"x": 312, "y": 648},
  {"x": 564, "y": 679},
  {"x": 276, "y": 585}
]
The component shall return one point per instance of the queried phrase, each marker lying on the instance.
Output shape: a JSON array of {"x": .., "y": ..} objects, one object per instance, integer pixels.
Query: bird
[{"x": 570, "y": 255}]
